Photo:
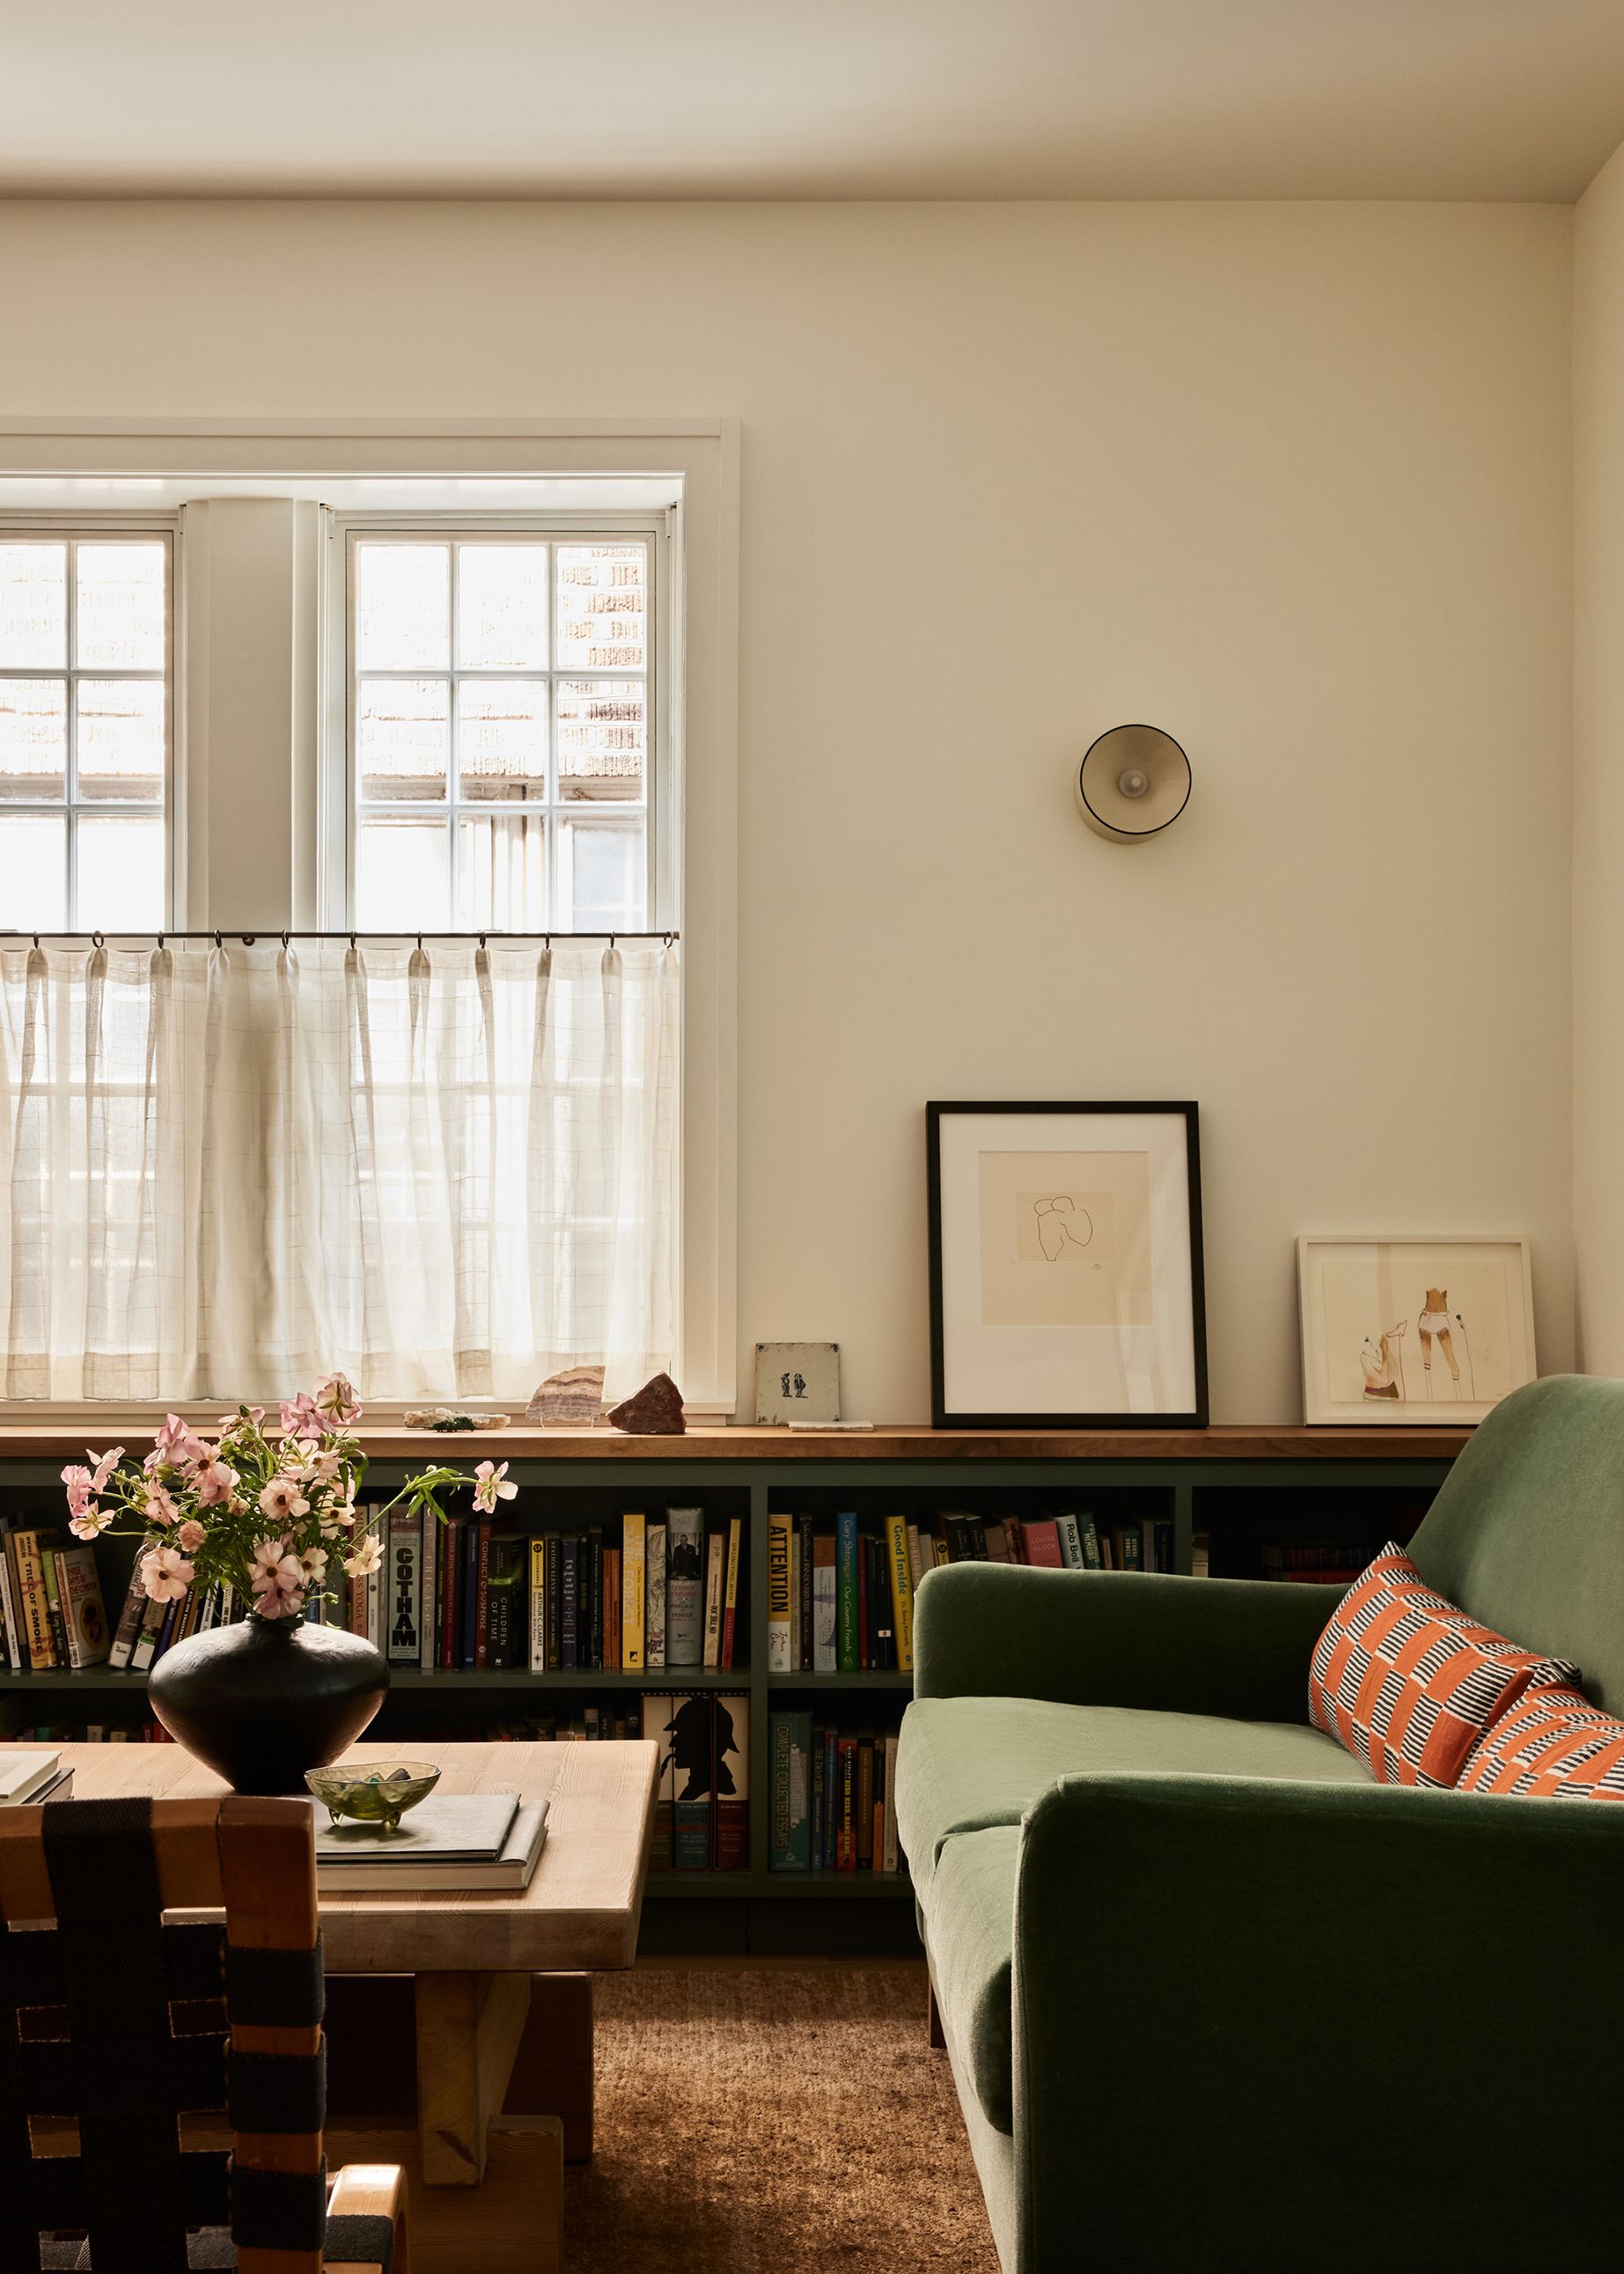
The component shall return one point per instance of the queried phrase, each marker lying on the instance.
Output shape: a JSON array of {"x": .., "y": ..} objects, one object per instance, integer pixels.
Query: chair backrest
[
  {"x": 1527, "y": 1532},
  {"x": 117, "y": 2023}
]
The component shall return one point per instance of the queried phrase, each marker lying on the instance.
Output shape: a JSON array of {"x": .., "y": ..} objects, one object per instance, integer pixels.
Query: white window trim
[{"x": 102, "y": 458}]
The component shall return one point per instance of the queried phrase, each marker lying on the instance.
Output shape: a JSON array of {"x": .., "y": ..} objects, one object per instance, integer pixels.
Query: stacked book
[
  {"x": 834, "y": 1806},
  {"x": 51, "y": 1613},
  {"x": 701, "y": 1813},
  {"x": 32, "y": 1778},
  {"x": 1327, "y": 1563},
  {"x": 450, "y": 1842}
]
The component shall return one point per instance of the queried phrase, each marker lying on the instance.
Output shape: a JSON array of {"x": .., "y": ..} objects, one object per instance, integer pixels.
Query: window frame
[
  {"x": 340, "y": 801},
  {"x": 114, "y": 527}
]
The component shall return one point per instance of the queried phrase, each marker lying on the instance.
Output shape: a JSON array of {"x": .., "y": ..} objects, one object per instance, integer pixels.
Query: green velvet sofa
[{"x": 1214, "y": 2000}]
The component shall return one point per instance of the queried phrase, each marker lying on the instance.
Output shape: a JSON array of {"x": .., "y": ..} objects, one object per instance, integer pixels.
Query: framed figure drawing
[
  {"x": 1407, "y": 1329},
  {"x": 1066, "y": 1266}
]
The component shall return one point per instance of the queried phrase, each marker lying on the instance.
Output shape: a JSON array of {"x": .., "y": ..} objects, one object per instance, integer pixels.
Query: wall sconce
[{"x": 1132, "y": 783}]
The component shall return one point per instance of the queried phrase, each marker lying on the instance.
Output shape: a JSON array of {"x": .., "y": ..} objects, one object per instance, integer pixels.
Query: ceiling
[{"x": 1458, "y": 99}]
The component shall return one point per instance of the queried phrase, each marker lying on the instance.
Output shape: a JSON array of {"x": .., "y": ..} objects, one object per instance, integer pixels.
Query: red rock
[{"x": 655, "y": 1411}]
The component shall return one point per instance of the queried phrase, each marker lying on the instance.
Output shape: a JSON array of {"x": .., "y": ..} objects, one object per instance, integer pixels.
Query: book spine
[
  {"x": 35, "y": 1611},
  {"x": 845, "y": 1593},
  {"x": 994, "y": 1542},
  {"x": 611, "y": 1609},
  {"x": 800, "y": 1797},
  {"x": 685, "y": 1587},
  {"x": 817, "y": 1804},
  {"x": 468, "y": 1596},
  {"x": 730, "y": 1779},
  {"x": 656, "y": 1716},
  {"x": 781, "y": 1747},
  {"x": 570, "y": 1590},
  {"x": 823, "y": 1603},
  {"x": 595, "y": 1577},
  {"x": 864, "y": 1788},
  {"x": 83, "y": 1607},
  {"x": 428, "y": 1590},
  {"x": 482, "y": 1597},
  {"x": 538, "y": 1622},
  {"x": 846, "y": 1840},
  {"x": 917, "y": 1564},
  {"x": 1014, "y": 1551},
  {"x": 715, "y": 1557},
  {"x": 16, "y": 1640},
  {"x": 1148, "y": 1544},
  {"x": 901, "y": 1592},
  {"x": 730, "y": 1593},
  {"x": 129, "y": 1620},
  {"x": 693, "y": 1741},
  {"x": 779, "y": 1606},
  {"x": 55, "y": 1610},
  {"x": 404, "y": 1547},
  {"x": 865, "y": 1606},
  {"x": 832, "y": 1799},
  {"x": 655, "y": 1591},
  {"x": 451, "y": 1568},
  {"x": 555, "y": 1600},
  {"x": 805, "y": 1571},
  {"x": 1090, "y": 1545},
  {"x": 632, "y": 1583},
  {"x": 888, "y": 1856},
  {"x": 1070, "y": 1539},
  {"x": 876, "y": 1834},
  {"x": 146, "y": 1640}
]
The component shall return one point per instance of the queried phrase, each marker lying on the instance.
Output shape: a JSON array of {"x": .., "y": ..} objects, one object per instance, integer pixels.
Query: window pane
[
  {"x": 121, "y": 607},
  {"x": 401, "y": 880},
  {"x": 600, "y": 738},
  {"x": 34, "y": 862},
  {"x": 502, "y": 873},
  {"x": 602, "y": 877},
  {"x": 120, "y": 878},
  {"x": 34, "y": 738},
  {"x": 402, "y": 607},
  {"x": 600, "y": 607},
  {"x": 501, "y": 740},
  {"x": 121, "y": 739},
  {"x": 34, "y": 605},
  {"x": 403, "y": 737},
  {"x": 502, "y": 607}
]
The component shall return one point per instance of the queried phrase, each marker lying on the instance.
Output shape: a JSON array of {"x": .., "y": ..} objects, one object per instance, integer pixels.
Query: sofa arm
[
  {"x": 1289, "y": 2027},
  {"x": 1234, "y": 1647}
]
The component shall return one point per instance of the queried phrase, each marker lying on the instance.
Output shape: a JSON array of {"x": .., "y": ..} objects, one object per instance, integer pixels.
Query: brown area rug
[{"x": 765, "y": 2120}]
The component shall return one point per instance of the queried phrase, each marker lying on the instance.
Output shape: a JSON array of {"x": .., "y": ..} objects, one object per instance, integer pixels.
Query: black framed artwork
[{"x": 1066, "y": 1282}]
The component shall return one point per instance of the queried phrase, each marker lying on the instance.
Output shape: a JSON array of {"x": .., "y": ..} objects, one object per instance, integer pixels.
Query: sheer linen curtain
[{"x": 449, "y": 1170}]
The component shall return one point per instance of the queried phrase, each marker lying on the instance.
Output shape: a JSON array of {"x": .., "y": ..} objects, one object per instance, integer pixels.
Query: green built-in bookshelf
[{"x": 1228, "y": 1495}]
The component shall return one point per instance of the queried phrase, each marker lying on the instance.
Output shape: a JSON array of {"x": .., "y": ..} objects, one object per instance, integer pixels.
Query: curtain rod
[{"x": 274, "y": 932}]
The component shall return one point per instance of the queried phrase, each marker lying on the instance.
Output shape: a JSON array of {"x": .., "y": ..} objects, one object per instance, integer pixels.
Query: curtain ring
[
  {"x": 285, "y": 943},
  {"x": 37, "y": 943},
  {"x": 97, "y": 941},
  {"x": 218, "y": 943},
  {"x": 352, "y": 943},
  {"x": 481, "y": 943},
  {"x": 612, "y": 943},
  {"x": 420, "y": 943}
]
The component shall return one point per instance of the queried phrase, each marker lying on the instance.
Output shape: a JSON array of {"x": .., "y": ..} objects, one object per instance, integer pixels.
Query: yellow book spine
[
  {"x": 780, "y": 1533},
  {"x": 901, "y": 1590},
  {"x": 538, "y": 1604},
  {"x": 632, "y": 1580}
]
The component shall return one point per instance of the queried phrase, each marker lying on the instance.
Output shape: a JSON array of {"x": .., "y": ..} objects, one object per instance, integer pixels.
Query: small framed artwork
[
  {"x": 1408, "y": 1330},
  {"x": 797, "y": 1381},
  {"x": 1066, "y": 1266}
]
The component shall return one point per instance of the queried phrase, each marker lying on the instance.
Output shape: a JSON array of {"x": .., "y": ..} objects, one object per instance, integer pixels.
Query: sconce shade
[{"x": 1133, "y": 782}]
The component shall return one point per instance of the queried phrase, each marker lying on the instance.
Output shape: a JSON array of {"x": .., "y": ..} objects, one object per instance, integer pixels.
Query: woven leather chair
[{"x": 121, "y": 2037}]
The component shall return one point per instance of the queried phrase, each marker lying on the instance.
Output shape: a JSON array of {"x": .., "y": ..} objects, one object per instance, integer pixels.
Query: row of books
[
  {"x": 1329, "y": 1564},
  {"x": 56, "y": 1732},
  {"x": 465, "y": 1596},
  {"x": 833, "y": 1803},
  {"x": 51, "y": 1600},
  {"x": 701, "y": 1813},
  {"x": 840, "y": 1600}
]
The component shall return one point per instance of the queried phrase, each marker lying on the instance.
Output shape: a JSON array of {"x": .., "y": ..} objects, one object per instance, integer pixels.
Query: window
[
  {"x": 84, "y": 701},
  {"x": 498, "y": 730}
]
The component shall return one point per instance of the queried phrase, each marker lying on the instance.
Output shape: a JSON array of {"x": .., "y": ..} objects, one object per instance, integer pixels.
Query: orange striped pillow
[
  {"x": 1409, "y": 1683},
  {"x": 1554, "y": 1744}
]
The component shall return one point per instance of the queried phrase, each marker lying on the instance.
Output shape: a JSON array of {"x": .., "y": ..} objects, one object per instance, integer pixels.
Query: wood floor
[{"x": 773, "y": 2119}]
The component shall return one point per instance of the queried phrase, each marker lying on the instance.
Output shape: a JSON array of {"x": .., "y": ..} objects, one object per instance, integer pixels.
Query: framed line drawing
[
  {"x": 1413, "y": 1329},
  {"x": 1066, "y": 1285}
]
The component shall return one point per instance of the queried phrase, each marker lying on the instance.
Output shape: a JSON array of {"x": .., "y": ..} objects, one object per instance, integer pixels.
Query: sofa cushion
[
  {"x": 1553, "y": 1743},
  {"x": 1410, "y": 1683},
  {"x": 969, "y": 1928},
  {"x": 968, "y": 1763}
]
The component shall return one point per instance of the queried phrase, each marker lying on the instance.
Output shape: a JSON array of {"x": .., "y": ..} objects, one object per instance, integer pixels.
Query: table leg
[
  {"x": 467, "y": 2027},
  {"x": 553, "y": 2074}
]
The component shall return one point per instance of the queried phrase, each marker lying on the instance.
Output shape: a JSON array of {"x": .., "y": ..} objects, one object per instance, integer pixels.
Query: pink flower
[
  {"x": 278, "y": 1603},
  {"x": 489, "y": 1488},
  {"x": 166, "y": 1574},
  {"x": 106, "y": 1462},
  {"x": 86, "y": 1522},
  {"x": 299, "y": 1415},
  {"x": 282, "y": 1501},
  {"x": 339, "y": 1516},
  {"x": 365, "y": 1556},
  {"x": 176, "y": 1445},
  {"x": 337, "y": 1403},
  {"x": 191, "y": 1536},
  {"x": 158, "y": 1507},
  {"x": 313, "y": 1564},
  {"x": 81, "y": 1487},
  {"x": 214, "y": 1479}
]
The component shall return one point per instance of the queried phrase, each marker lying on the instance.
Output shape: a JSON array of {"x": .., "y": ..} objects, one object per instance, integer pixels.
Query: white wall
[
  {"x": 1598, "y": 768},
  {"x": 1291, "y": 481}
]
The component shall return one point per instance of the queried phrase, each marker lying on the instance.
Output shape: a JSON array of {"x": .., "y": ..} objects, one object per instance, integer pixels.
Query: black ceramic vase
[{"x": 265, "y": 1699}]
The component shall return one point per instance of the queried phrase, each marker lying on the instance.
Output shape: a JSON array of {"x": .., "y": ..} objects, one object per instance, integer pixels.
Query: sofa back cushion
[
  {"x": 1553, "y": 1745},
  {"x": 1408, "y": 1682},
  {"x": 1527, "y": 1532}
]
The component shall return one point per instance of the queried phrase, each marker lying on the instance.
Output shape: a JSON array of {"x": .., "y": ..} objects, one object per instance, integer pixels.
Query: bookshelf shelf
[
  {"x": 755, "y": 1884},
  {"x": 840, "y": 1682}
]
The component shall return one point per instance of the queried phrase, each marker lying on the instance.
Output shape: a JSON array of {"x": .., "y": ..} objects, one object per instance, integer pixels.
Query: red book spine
[
  {"x": 1042, "y": 1543},
  {"x": 845, "y": 1839},
  {"x": 481, "y": 1599},
  {"x": 450, "y": 1564}
]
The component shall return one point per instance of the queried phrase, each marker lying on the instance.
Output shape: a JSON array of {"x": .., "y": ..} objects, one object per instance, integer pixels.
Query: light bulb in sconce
[{"x": 1133, "y": 782}]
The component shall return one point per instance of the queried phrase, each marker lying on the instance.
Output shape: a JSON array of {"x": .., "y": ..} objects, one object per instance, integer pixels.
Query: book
[
  {"x": 805, "y": 1568},
  {"x": 83, "y": 1611},
  {"x": 847, "y": 1653},
  {"x": 890, "y": 1858},
  {"x": 831, "y": 1799},
  {"x": 918, "y": 1555},
  {"x": 846, "y": 1821},
  {"x": 510, "y": 1867},
  {"x": 824, "y": 1602},
  {"x": 22, "y": 1774},
  {"x": 657, "y": 1711},
  {"x": 593, "y": 1590},
  {"x": 996, "y": 1541},
  {"x": 865, "y": 1604},
  {"x": 685, "y": 1587},
  {"x": 901, "y": 1592},
  {"x": 451, "y": 1581},
  {"x": 15, "y": 1642},
  {"x": 428, "y": 1592},
  {"x": 863, "y": 1801},
  {"x": 1069, "y": 1532},
  {"x": 1090, "y": 1545},
  {"x": 403, "y": 1547},
  {"x": 482, "y": 1595},
  {"x": 715, "y": 1556},
  {"x": 791, "y": 1742},
  {"x": 468, "y": 1598},
  {"x": 730, "y": 1781},
  {"x": 1126, "y": 1540},
  {"x": 1014, "y": 1547},
  {"x": 632, "y": 1593},
  {"x": 778, "y": 1532},
  {"x": 449, "y": 1827},
  {"x": 730, "y": 1592},
  {"x": 876, "y": 1837},
  {"x": 555, "y": 1600},
  {"x": 505, "y": 1647},
  {"x": 32, "y": 1601},
  {"x": 692, "y": 1743},
  {"x": 537, "y": 1622},
  {"x": 146, "y": 1638},
  {"x": 129, "y": 1620},
  {"x": 656, "y": 1597},
  {"x": 54, "y": 1608},
  {"x": 816, "y": 1803},
  {"x": 569, "y": 1593},
  {"x": 1163, "y": 1531},
  {"x": 1042, "y": 1542},
  {"x": 611, "y": 1609}
]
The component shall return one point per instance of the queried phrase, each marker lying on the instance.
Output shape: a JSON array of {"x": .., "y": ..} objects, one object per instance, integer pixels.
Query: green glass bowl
[{"x": 379, "y": 1792}]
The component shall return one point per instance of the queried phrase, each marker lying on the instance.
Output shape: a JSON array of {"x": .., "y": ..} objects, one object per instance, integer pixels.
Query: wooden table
[{"x": 470, "y": 1957}]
